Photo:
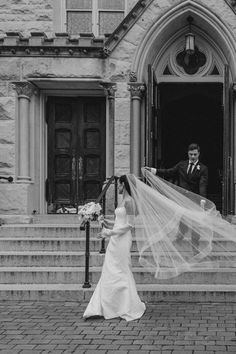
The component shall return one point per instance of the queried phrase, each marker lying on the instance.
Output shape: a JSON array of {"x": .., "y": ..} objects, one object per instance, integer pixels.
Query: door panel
[
  {"x": 76, "y": 150},
  {"x": 92, "y": 131},
  {"x": 149, "y": 118},
  {"x": 228, "y": 146},
  {"x": 153, "y": 124}
]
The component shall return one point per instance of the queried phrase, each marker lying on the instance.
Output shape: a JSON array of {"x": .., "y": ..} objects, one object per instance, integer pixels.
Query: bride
[
  {"x": 115, "y": 294},
  {"x": 155, "y": 212}
]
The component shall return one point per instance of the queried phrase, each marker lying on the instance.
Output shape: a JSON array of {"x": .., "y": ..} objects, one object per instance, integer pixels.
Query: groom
[{"x": 191, "y": 175}]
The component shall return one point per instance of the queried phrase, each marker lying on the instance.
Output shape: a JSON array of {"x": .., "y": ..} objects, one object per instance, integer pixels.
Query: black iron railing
[
  {"x": 9, "y": 179},
  {"x": 86, "y": 225}
]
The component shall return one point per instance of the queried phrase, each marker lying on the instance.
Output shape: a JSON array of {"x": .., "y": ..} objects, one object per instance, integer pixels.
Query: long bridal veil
[{"x": 174, "y": 232}]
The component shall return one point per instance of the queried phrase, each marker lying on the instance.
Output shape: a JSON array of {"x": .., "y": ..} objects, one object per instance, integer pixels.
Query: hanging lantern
[
  {"x": 190, "y": 39},
  {"x": 190, "y": 43}
]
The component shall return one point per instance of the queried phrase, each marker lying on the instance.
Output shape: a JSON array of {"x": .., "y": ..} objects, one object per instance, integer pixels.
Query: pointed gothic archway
[{"x": 161, "y": 45}]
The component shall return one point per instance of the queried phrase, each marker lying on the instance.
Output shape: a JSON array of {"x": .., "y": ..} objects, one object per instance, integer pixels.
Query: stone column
[
  {"x": 24, "y": 91},
  {"x": 110, "y": 89},
  {"x": 137, "y": 90}
]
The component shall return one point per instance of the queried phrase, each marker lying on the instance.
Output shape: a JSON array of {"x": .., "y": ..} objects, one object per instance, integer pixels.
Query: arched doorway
[
  {"x": 193, "y": 113},
  {"x": 190, "y": 100},
  {"x": 188, "y": 94}
]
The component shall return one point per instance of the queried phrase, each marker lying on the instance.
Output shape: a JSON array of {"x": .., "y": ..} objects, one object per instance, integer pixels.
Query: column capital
[
  {"x": 110, "y": 89},
  {"x": 23, "y": 88},
  {"x": 136, "y": 89}
]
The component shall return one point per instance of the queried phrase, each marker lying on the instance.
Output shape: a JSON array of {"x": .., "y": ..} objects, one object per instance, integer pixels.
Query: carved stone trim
[
  {"x": 24, "y": 88},
  {"x": 106, "y": 52},
  {"x": 62, "y": 45},
  {"x": 110, "y": 89},
  {"x": 232, "y": 4},
  {"x": 133, "y": 76},
  {"x": 136, "y": 89},
  {"x": 127, "y": 23}
]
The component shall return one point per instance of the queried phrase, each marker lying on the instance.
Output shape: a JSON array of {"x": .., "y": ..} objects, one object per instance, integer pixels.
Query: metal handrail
[
  {"x": 103, "y": 192},
  {"x": 86, "y": 226},
  {"x": 9, "y": 179}
]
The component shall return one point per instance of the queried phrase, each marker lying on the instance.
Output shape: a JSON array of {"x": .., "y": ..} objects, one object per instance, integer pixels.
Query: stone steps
[
  {"x": 58, "y": 219},
  {"x": 77, "y": 259},
  {"x": 147, "y": 292},
  {"x": 75, "y": 275},
  {"x": 50, "y": 243},
  {"x": 46, "y": 230},
  {"x": 46, "y": 261}
]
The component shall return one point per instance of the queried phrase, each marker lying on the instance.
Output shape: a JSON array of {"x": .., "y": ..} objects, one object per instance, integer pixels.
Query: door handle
[
  {"x": 73, "y": 168},
  {"x": 80, "y": 168}
]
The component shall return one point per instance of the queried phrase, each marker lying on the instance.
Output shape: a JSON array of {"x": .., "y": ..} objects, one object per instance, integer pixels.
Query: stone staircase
[{"x": 42, "y": 261}]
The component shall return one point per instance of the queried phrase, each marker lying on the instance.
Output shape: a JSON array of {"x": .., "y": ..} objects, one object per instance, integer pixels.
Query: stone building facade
[{"x": 89, "y": 89}]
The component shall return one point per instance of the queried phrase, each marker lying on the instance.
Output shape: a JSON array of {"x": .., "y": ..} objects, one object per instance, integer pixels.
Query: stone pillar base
[
  {"x": 17, "y": 199},
  {"x": 15, "y": 219}
]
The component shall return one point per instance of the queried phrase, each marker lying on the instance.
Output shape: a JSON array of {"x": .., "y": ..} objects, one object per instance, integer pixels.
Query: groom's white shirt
[{"x": 153, "y": 170}]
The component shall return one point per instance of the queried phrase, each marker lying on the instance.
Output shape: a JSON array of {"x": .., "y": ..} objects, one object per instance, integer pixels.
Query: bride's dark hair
[{"x": 123, "y": 179}]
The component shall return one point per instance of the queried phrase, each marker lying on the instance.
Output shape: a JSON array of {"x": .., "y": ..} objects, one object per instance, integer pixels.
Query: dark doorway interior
[{"x": 193, "y": 113}]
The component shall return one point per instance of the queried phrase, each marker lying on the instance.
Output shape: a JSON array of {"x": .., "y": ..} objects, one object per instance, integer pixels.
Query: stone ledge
[
  {"x": 15, "y": 219},
  {"x": 63, "y": 45}
]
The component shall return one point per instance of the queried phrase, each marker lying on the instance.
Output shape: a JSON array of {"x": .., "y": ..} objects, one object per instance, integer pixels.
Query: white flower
[
  {"x": 90, "y": 211},
  {"x": 66, "y": 210},
  {"x": 198, "y": 167}
]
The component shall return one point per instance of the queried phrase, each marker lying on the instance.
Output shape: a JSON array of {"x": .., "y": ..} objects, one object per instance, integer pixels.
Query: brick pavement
[{"x": 170, "y": 328}]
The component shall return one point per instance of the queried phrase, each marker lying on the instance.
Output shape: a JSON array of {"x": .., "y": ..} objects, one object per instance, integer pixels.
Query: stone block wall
[
  {"x": 26, "y": 16},
  {"x": 37, "y": 15},
  {"x": 7, "y": 128},
  {"x": 15, "y": 198}
]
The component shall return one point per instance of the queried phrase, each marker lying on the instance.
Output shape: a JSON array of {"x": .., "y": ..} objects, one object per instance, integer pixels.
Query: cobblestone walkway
[{"x": 176, "y": 328}]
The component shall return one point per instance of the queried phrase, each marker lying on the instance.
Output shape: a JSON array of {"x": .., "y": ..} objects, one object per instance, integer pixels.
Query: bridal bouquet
[{"x": 91, "y": 212}]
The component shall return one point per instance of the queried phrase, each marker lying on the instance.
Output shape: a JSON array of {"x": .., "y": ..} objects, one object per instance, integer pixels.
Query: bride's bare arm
[
  {"x": 116, "y": 231},
  {"x": 130, "y": 211},
  {"x": 108, "y": 223}
]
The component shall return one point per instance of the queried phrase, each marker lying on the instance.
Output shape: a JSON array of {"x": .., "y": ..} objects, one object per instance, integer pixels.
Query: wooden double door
[{"x": 76, "y": 150}]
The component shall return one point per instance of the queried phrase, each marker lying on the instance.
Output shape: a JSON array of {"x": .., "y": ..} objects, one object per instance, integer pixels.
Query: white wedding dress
[{"x": 116, "y": 294}]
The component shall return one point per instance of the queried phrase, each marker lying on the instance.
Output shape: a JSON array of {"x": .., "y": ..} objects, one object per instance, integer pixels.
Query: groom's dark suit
[{"x": 196, "y": 181}]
